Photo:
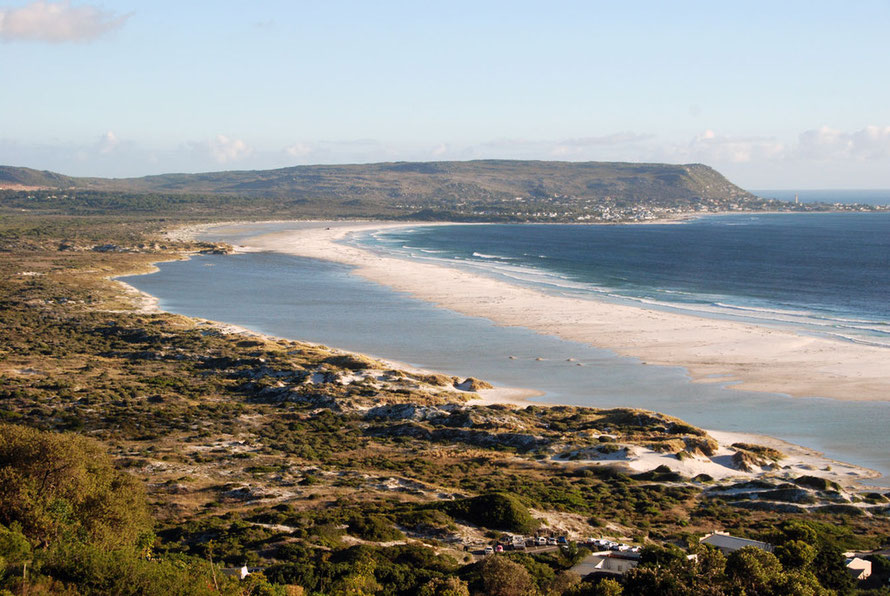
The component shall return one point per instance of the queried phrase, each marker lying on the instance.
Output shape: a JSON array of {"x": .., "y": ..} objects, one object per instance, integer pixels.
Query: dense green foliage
[
  {"x": 499, "y": 511},
  {"x": 81, "y": 525},
  {"x": 64, "y": 487}
]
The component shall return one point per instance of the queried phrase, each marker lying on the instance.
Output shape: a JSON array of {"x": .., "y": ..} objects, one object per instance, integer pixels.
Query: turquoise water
[{"x": 322, "y": 302}]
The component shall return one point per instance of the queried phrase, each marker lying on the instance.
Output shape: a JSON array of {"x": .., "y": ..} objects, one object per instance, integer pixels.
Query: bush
[
  {"x": 62, "y": 486},
  {"x": 375, "y": 528},
  {"x": 498, "y": 511}
]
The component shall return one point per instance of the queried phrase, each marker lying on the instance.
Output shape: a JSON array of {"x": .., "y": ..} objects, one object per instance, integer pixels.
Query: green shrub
[
  {"x": 498, "y": 511},
  {"x": 374, "y": 527},
  {"x": 63, "y": 486}
]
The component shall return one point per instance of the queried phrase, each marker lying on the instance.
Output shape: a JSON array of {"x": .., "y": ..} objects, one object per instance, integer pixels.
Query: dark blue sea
[{"x": 822, "y": 273}]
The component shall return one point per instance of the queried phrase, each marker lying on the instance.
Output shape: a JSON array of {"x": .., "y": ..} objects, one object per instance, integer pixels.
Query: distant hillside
[
  {"x": 12, "y": 177},
  {"x": 487, "y": 190},
  {"x": 456, "y": 180}
]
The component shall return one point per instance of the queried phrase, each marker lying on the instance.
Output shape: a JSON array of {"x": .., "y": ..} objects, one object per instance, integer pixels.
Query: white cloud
[
  {"x": 108, "y": 142},
  {"x": 440, "y": 150},
  {"x": 57, "y": 22},
  {"x": 298, "y": 150},
  {"x": 223, "y": 149},
  {"x": 869, "y": 143},
  {"x": 710, "y": 147}
]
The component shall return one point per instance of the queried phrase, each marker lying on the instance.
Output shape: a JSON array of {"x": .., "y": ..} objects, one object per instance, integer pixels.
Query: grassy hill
[
  {"x": 488, "y": 190},
  {"x": 14, "y": 177},
  {"x": 442, "y": 180}
]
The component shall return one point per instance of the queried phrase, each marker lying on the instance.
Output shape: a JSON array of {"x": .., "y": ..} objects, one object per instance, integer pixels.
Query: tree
[
  {"x": 563, "y": 582},
  {"x": 14, "y": 547},
  {"x": 502, "y": 577},
  {"x": 798, "y": 530},
  {"x": 498, "y": 511},
  {"x": 63, "y": 486},
  {"x": 448, "y": 586},
  {"x": 796, "y": 583},
  {"x": 753, "y": 570},
  {"x": 796, "y": 554},
  {"x": 361, "y": 581},
  {"x": 608, "y": 587},
  {"x": 661, "y": 556},
  {"x": 645, "y": 580},
  {"x": 830, "y": 569}
]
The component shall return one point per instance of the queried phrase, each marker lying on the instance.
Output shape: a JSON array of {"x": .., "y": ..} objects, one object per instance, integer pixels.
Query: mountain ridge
[
  {"x": 479, "y": 190},
  {"x": 396, "y": 179}
]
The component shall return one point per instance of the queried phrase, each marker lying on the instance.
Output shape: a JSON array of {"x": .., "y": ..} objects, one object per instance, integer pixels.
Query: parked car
[
  {"x": 542, "y": 541},
  {"x": 489, "y": 550},
  {"x": 562, "y": 540},
  {"x": 551, "y": 541},
  {"x": 499, "y": 548}
]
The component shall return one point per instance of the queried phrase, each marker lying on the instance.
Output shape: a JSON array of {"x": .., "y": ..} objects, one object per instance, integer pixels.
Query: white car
[{"x": 489, "y": 550}]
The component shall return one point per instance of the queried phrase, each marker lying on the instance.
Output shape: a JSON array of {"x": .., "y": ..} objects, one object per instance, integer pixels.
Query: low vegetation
[{"x": 144, "y": 452}]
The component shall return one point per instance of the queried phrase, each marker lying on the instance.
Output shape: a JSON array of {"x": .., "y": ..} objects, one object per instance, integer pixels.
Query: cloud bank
[
  {"x": 815, "y": 158},
  {"x": 57, "y": 22},
  {"x": 223, "y": 149},
  {"x": 869, "y": 143}
]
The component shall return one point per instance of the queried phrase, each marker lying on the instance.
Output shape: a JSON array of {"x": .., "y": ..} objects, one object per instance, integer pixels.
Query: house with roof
[
  {"x": 607, "y": 562},
  {"x": 859, "y": 568},
  {"x": 729, "y": 544}
]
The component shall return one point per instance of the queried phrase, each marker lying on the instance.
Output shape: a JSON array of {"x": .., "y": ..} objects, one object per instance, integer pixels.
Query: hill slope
[
  {"x": 14, "y": 177},
  {"x": 462, "y": 180},
  {"x": 481, "y": 190}
]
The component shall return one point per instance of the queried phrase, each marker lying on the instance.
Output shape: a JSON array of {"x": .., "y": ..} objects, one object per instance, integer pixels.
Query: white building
[
  {"x": 859, "y": 568},
  {"x": 729, "y": 544},
  {"x": 613, "y": 563}
]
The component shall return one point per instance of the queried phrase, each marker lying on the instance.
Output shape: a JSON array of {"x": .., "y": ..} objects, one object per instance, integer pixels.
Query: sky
[{"x": 772, "y": 94}]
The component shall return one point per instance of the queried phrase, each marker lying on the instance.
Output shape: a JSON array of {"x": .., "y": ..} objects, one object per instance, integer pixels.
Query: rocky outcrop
[
  {"x": 410, "y": 411},
  {"x": 287, "y": 394}
]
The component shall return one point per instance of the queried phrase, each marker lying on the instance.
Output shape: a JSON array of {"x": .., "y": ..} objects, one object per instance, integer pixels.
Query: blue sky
[{"x": 773, "y": 94}]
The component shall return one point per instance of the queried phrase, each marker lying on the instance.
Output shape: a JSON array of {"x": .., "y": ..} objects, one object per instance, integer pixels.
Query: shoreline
[
  {"x": 750, "y": 357},
  {"x": 799, "y": 460},
  {"x": 803, "y": 460}
]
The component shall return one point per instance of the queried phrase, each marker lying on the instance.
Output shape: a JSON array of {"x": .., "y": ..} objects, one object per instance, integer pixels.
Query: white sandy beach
[
  {"x": 755, "y": 358},
  {"x": 686, "y": 338}
]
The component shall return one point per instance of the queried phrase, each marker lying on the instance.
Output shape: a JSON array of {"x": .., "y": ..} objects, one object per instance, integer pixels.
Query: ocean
[{"x": 822, "y": 273}]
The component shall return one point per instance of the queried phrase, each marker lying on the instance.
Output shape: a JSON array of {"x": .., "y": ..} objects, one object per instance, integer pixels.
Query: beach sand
[
  {"x": 752, "y": 357},
  {"x": 685, "y": 337}
]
